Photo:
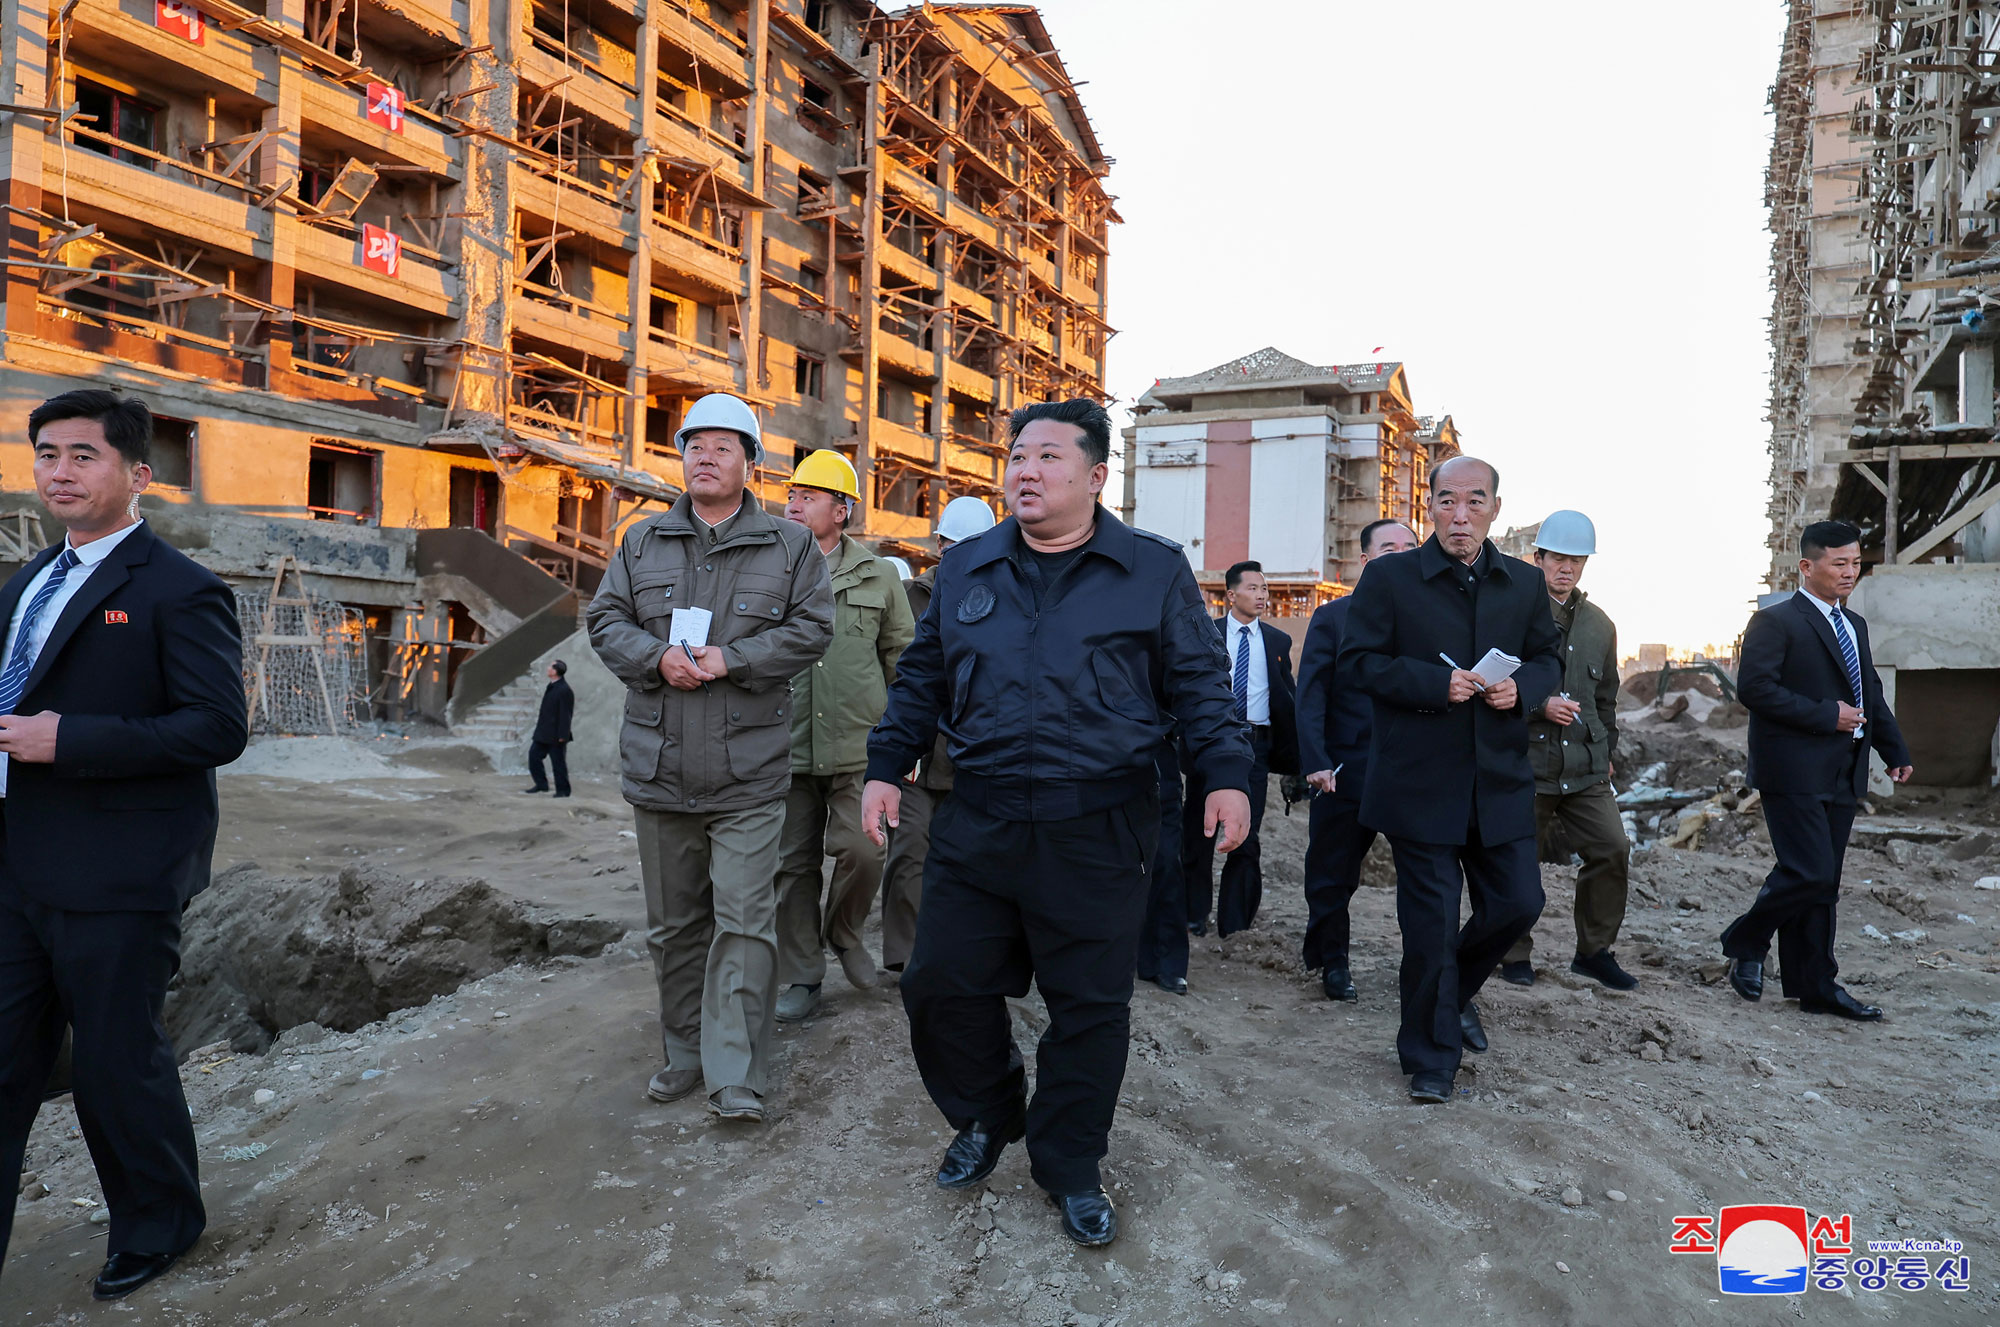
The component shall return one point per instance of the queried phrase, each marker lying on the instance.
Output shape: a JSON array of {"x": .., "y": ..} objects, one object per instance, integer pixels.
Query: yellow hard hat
[{"x": 828, "y": 470}]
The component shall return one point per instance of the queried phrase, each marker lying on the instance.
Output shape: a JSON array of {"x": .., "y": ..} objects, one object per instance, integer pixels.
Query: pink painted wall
[{"x": 1226, "y": 534}]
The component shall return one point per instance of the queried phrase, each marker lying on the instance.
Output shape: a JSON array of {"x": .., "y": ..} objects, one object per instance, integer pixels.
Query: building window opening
[
  {"x": 809, "y": 378},
  {"x": 341, "y": 484},
  {"x": 173, "y": 453},
  {"x": 119, "y": 116}
]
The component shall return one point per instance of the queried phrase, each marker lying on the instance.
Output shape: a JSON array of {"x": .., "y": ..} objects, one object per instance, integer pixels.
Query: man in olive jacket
[
  {"x": 1571, "y": 740},
  {"x": 836, "y": 702},
  {"x": 705, "y": 750}
]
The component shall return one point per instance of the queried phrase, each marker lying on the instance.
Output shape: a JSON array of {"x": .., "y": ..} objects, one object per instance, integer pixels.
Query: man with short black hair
[
  {"x": 1816, "y": 710},
  {"x": 552, "y": 735},
  {"x": 1058, "y": 648},
  {"x": 1260, "y": 670},
  {"x": 1334, "y": 721},
  {"x": 121, "y": 692}
]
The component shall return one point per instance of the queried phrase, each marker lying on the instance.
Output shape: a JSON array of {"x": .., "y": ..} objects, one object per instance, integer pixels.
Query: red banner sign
[
  {"x": 180, "y": 18},
  {"x": 381, "y": 250},
  {"x": 385, "y": 107}
]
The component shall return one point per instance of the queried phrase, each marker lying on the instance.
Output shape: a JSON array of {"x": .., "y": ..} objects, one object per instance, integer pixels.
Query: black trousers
[
  {"x": 1809, "y": 835},
  {"x": 558, "y": 756},
  {"x": 1163, "y": 943},
  {"x": 1336, "y": 845},
  {"x": 104, "y": 974},
  {"x": 1059, "y": 902},
  {"x": 1444, "y": 964},
  {"x": 1243, "y": 869}
]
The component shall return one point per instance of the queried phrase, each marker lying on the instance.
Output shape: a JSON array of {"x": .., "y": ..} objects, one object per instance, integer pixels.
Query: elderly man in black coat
[
  {"x": 552, "y": 735},
  {"x": 1448, "y": 774}
]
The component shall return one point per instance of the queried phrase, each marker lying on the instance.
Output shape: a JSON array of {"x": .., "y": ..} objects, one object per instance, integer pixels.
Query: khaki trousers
[
  {"x": 903, "y": 874},
  {"x": 823, "y": 819},
  {"x": 711, "y": 906},
  {"x": 1591, "y": 822}
]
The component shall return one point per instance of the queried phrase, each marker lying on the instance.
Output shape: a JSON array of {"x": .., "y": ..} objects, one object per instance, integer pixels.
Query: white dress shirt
[
  {"x": 1826, "y": 611},
  {"x": 1258, "y": 710},
  {"x": 88, "y": 559}
]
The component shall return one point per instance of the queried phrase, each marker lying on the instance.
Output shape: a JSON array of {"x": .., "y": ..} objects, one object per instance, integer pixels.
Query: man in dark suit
[
  {"x": 121, "y": 691},
  {"x": 1816, "y": 710},
  {"x": 1448, "y": 774},
  {"x": 552, "y": 735},
  {"x": 1334, "y": 721},
  {"x": 1260, "y": 671}
]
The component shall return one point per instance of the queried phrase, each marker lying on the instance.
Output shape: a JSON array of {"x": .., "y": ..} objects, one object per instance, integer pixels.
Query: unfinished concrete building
[
  {"x": 411, "y": 265},
  {"x": 1885, "y": 193},
  {"x": 1270, "y": 458}
]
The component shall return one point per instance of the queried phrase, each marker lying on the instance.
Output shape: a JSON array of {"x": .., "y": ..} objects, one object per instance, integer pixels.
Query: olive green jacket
[
  {"x": 839, "y": 698},
  {"x": 1568, "y": 760},
  {"x": 724, "y": 746}
]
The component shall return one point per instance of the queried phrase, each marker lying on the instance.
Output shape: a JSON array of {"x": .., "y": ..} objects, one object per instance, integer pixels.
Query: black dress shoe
[
  {"x": 125, "y": 1272},
  {"x": 1747, "y": 976},
  {"x": 1603, "y": 966},
  {"x": 1430, "y": 1087},
  {"x": 1470, "y": 1030},
  {"x": 1518, "y": 973},
  {"x": 1172, "y": 985},
  {"x": 1842, "y": 1005},
  {"x": 530, "y": 792},
  {"x": 976, "y": 1151},
  {"x": 1088, "y": 1217},
  {"x": 1198, "y": 928},
  {"x": 1338, "y": 985}
]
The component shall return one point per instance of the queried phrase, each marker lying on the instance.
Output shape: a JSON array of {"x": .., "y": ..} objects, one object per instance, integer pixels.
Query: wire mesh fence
[{"x": 291, "y": 698}]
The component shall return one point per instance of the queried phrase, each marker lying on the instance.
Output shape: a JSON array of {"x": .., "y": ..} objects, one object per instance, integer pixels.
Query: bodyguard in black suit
[
  {"x": 121, "y": 691},
  {"x": 1265, "y": 700},
  {"x": 552, "y": 735},
  {"x": 1816, "y": 710},
  {"x": 1448, "y": 774},
  {"x": 1335, "y": 718}
]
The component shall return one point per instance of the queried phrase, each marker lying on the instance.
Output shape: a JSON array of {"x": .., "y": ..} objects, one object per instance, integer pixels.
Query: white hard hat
[
  {"x": 964, "y": 518},
  {"x": 720, "y": 410},
  {"x": 903, "y": 571},
  {"x": 1569, "y": 533}
]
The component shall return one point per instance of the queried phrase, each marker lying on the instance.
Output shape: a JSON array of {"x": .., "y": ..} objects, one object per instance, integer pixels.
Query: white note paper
[
  {"x": 689, "y": 626},
  {"x": 1496, "y": 666}
]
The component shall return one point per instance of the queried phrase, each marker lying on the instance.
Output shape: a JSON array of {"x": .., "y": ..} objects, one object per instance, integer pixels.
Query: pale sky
[{"x": 1552, "y": 214}]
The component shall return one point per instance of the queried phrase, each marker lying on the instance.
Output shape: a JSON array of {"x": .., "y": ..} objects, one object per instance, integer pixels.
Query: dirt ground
[{"x": 491, "y": 1157}]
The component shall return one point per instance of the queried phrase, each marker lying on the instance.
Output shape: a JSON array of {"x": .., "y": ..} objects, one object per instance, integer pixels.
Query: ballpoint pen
[
  {"x": 694, "y": 661},
  {"x": 1455, "y": 664}
]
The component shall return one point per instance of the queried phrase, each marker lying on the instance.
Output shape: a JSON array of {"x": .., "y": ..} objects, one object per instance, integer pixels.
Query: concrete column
[
  {"x": 24, "y": 75},
  {"x": 1975, "y": 383},
  {"x": 639, "y": 227},
  {"x": 486, "y": 249}
]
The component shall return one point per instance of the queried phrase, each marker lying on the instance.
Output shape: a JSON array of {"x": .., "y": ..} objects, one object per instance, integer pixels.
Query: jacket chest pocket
[
  {"x": 750, "y": 611},
  {"x": 864, "y": 612},
  {"x": 1117, "y": 690},
  {"x": 657, "y": 597}
]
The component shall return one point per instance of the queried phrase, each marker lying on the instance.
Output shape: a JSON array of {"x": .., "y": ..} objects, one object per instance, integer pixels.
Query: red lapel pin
[{"x": 112, "y": 615}]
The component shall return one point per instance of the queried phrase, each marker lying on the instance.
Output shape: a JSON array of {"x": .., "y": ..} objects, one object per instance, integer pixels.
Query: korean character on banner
[
  {"x": 178, "y": 16},
  {"x": 385, "y": 107},
  {"x": 1913, "y": 1273},
  {"x": 1873, "y": 1273},
  {"x": 381, "y": 250},
  {"x": 1693, "y": 1234},
  {"x": 1830, "y": 1273},
  {"x": 1830, "y": 1236},
  {"x": 1955, "y": 1273}
]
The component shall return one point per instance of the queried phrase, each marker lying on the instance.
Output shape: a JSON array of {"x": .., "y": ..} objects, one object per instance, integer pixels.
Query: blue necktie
[
  {"x": 22, "y": 661},
  {"x": 1243, "y": 674},
  {"x": 1847, "y": 656}
]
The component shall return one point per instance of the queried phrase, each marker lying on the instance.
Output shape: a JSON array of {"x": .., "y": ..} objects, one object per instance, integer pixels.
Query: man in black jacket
[
  {"x": 1259, "y": 659},
  {"x": 121, "y": 691},
  {"x": 552, "y": 735},
  {"x": 1448, "y": 774},
  {"x": 1816, "y": 710},
  {"x": 1058, "y": 648},
  {"x": 1334, "y": 720}
]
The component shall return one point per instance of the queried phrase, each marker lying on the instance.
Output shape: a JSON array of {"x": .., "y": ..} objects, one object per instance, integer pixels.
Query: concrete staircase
[{"x": 502, "y": 724}]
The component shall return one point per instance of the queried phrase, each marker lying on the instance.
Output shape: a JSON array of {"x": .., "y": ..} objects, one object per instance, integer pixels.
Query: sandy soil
[{"x": 491, "y": 1157}]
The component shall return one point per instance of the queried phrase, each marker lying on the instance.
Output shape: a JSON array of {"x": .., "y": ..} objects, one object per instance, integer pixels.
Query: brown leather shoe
[
  {"x": 673, "y": 1084},
  {"x": 859, "y": 967}
]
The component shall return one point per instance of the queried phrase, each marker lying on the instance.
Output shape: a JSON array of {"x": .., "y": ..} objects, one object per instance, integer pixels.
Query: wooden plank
[
  {"x": 1870, "y": 476},
  {"x": 1965, "y": 516},
  {"x": 1918, "y": 452}
]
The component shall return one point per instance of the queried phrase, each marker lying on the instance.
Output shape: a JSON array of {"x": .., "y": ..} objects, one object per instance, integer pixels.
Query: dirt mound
[{"x": 264, "y": 953}]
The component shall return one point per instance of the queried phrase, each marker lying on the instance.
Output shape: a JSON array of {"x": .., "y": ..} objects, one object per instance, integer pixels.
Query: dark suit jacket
[
  {"x": 1284, "y": 697},
  {"x": 1431, "y": 765},
  {"x": 1793, "y": 680},
  {"x": 1335, "y": 716},
  {"x": 145, "y": 665},
  {"x": 558, "y": 704}
]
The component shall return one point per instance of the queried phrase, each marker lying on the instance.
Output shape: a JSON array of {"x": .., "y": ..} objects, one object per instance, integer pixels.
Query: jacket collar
[
  {"x": 751, "y": 519},
  {"x": 1434, "y": 561},
  {"x": 1112, "y": 539},
  {"x": 134, "y": 550}
]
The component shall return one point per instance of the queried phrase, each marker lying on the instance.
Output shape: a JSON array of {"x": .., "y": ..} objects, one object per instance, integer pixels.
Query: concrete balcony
[
  {"x": 334, "y": 257},
  {"x": 580, "y": 208},
  {"x": 965, "y": 297},
  {"x": 968, "y": 382},
  {"x": 443, "y": 18},
  {"x": 721, "y": 56},
  {"x": 907, "y": 266},
  {"x": 907, "y": 356},
  {"x": 678, "y": 136},
  {"x": 895, "y": 525},
  {"x": 589, "y": 88},
  {"x": 215, "y": 217},
  {"x": 697, "y": 258},
  {"x": 564, "y": 320},
  {"x": 902, "y": 440},
  {"x": 341, "y": 112},
  {"x": 122, "y": 33},
  {"x": 675, "y": 365}
]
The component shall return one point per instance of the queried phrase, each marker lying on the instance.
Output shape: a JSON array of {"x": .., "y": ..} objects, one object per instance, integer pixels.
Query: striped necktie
[
  {"x": 1848, "y": 656},
  {"x": 1242, "y": 686},
  {"x": 22, "y": 661}
]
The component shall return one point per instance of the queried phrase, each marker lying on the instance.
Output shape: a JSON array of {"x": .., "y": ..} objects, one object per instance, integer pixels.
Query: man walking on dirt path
[
  {"x": 834, "y": 704},
  {"x": 552, "y": 735},
  {"x": 1816, "y": 711},
  {"x": 1334, "y": 721},
  {"x": 930, "y": 783},
  {"x": 1448, "y": 775},
  {"x": 706, "y": 613},
  {"x": 1571, "y": 741},
  {"x": 1058, "y": 647}
]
